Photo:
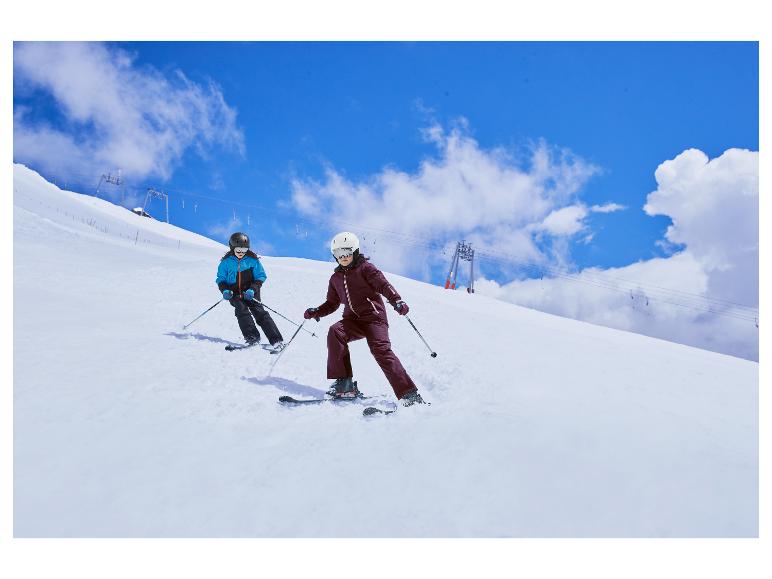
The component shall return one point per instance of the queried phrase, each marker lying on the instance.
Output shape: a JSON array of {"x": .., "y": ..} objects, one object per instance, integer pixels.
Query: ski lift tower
[
  {"x": 112, "y": 180},
  {"x": 154, "y": 193},
  {"x": 463, "y": 251}
]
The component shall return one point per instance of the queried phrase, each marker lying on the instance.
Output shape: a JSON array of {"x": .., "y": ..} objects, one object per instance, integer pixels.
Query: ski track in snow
[{"x": 126, "y": 425}]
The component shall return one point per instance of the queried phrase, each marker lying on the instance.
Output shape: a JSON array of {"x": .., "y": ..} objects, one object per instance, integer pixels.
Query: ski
[
  {"x": 290, "y": 401},
  {"x": 232, "y": 347},
  {"x": 370, "y": 410}
]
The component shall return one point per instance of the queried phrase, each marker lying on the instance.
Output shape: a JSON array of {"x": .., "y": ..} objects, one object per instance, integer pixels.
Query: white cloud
[
  {"x": 565, "y": 221},
  {"x": 714, "y": 208},
  {"x": 529, "y": 210},
  {"x": 570, "y": 220},
  {"x": 114, "y": 113},
  {"x": 488, "y": 197},
  {"x": 607, "y": 208}
]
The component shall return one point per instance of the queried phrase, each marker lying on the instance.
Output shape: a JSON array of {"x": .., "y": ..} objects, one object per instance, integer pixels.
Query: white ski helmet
[{"x": 343, "y": 244}]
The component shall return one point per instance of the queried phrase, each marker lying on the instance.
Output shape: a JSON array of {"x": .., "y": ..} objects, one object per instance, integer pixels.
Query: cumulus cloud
[
  {"x": 705, "y": 295},
  {"x": 520, "y": 204},
  {"x": 112, "y": 113},
  {"x": 520, "y": 209},
  {"x": 714, "y": 206}
]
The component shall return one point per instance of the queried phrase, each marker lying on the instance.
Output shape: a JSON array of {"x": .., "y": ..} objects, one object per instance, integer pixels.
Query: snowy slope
[{"x": 125, "y": 425}]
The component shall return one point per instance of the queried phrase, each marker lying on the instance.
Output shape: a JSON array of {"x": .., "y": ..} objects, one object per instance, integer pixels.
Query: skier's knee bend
[
  {"x": 336, "y": 332},
  {"x": 243, "y": 314},
  {"x": 380, "y": 348}
]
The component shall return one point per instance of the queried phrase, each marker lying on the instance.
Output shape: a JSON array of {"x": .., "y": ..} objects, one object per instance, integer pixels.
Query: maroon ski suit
[{"x": 359, "y": 287}]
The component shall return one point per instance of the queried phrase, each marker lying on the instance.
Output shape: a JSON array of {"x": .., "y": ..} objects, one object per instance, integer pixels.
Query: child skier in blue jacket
[{"x": 239, "y": 277}]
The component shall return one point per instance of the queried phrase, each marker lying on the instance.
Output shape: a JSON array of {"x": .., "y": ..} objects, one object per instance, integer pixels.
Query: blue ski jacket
[{"x": 239, "y": 275}]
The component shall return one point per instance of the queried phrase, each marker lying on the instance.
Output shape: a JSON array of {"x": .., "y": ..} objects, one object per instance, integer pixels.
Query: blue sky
[
  {"x": 540, "y": 153},
  {"x": 360, "y": 106},
  {"x": 625, "y": 107}
]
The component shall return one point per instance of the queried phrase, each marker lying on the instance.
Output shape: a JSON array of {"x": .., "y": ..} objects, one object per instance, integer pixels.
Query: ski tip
[
  {"x": 371, "y": 410},
  {"x": 286, "y": 399}
]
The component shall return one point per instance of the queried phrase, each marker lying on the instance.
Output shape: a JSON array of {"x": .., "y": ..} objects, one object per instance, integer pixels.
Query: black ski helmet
[{"x": 239, "y": 239}]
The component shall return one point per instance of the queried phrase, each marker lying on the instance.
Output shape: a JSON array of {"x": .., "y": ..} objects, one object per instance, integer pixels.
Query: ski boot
[
  {"x": 276, "y": 348},
  {"x": 344, "y": 389}
]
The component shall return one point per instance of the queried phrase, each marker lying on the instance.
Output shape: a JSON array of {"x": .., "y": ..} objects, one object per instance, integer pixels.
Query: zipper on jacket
[
  {"x": 238, "y": 274},
  {"x": 348, "y": 297},
  {"x": 372, "y": 304}
]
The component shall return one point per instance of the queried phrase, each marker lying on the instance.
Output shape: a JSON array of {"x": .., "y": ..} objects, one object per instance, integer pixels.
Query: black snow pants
[{"x": 250, "y": 311}]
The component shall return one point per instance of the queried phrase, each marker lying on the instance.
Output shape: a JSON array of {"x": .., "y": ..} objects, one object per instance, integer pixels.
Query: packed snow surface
[{"x": 126, "y": 425}]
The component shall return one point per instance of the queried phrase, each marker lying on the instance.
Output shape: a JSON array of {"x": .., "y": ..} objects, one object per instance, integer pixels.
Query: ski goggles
[
  {"x": 342, "y": 252},
  {"x": 241, "y": 249}
]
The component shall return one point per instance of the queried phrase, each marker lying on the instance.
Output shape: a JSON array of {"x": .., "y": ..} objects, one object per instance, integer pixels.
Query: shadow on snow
[
  {"x": 288, "y": 386},
  {"x": 185, "y": 336}
]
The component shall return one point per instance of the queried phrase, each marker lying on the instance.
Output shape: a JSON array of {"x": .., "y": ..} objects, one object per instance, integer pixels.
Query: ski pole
[
  {"x": 285, "y": 317},
  {"x": 276, "y": 361},
  {"x": 434, "y": 354},
  {"x": 217, "y": 304}
]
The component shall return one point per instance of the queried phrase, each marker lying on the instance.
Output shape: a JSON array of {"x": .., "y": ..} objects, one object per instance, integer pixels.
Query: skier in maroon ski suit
[{"x": 358, "y": 285}]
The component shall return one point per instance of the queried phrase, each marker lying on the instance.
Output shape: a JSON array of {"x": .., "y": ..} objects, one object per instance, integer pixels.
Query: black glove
[
  {"x": 400, "y": 307},
  {"x": 310, "y": 313}
]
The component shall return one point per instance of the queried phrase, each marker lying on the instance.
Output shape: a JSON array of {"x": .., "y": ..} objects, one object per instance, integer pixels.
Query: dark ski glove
[
  {"x": 401, "y": 307},
  {"x": 310, "y": 313},
  {"x": 249, "y": 294},
  {"x": 227, "y": 294}
]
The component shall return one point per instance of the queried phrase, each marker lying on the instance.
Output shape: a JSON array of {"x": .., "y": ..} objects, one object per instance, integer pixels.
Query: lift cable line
[
  {"x": 229, "y": 202},
  {"x": 653, "y": 298},
  {"x": 655, "y": 293},
  {"x": 558, "y": 272},
  {"x": 635, "y": 284},
  {"x": 651, "y": 292},
  {"x": 625, "y": 284}
]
